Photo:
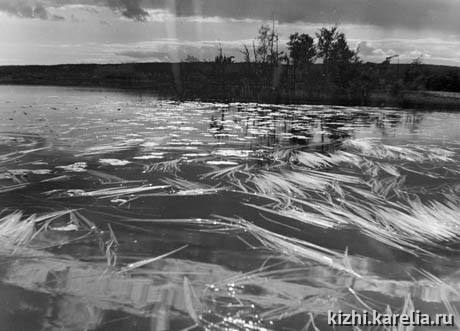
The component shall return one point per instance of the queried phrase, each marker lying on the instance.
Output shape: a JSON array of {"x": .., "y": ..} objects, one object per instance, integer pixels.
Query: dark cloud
[
  {"x": 438, "y": 15},
  {"x": 129, "y": 9},
  {"x": 27, "y": 9},
  {"x": 413, "y": 14},
  {"x": 387, "y": 13},
  {"x": 40, "y": 12}
]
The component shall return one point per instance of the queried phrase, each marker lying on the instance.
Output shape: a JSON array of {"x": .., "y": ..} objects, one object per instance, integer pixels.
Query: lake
[{"x": 124, "y": 211}]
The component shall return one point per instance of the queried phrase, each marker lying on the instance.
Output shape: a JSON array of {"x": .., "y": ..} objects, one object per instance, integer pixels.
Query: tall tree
[
  {"x": 333, "y": 47},
  {"x": 338, "y": 59},
  {"x": 326, "y": 38},
  {"x": 263, "y": 43},
  {"x": 341, "y": 52},
  {"x": 267, "y": 50},
  {"x": 302, "y": 49}
]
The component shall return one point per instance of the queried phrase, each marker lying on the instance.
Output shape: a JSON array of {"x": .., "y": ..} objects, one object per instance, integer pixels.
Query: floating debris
[
  {"x": 109, "y": 148},
  {"x": 233, "y": 152},
  {"x": 104, "y": 193},
  {"x": 21, "y": 172},
  {"x": 114, "y": 162},
  {"x": 159, "y": 155},
  {"x": 171, "y": 166},
  {"x": 75, "y": 167},
  {"x": 222, "y": 162}
]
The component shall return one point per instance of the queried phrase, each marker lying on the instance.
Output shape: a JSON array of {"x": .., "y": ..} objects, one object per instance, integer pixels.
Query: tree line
[
  {"x": 290, "y": 72},
  {"x": 318, "y": 67}
]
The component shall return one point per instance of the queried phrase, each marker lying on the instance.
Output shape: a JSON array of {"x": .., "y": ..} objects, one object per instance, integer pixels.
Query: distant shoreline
[{"x": 235, "y": 82}]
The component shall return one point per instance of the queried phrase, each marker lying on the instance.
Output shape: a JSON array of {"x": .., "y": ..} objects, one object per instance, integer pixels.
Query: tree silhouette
[
  {"x": 302, "y": 49},
  {"x": 326, "y": 39},
  {"x": 267, "y": 50},
  {"x": 338, "y": 59},
  {"x": 222, "y": 58},
  {"x": 333, "y": 47},
  {"x": 263, "y": 43}
]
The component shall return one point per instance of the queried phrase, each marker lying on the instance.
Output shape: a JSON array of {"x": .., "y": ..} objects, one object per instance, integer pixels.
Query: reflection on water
[{"x": 121, "y": 211}]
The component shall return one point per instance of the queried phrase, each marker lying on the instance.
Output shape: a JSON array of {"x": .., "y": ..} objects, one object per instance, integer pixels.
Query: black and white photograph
[{"x": 229, "y": 165}]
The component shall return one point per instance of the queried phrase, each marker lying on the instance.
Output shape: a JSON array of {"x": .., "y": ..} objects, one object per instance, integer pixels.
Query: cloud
[
  {"x": 412, "y": 14},
  {"x": 27, "y": 9},
  {"x": 173, "y": 50},
  {"x": 138, "y": 54},
  {"x": 129, "y": 8},
  {"x": 440, "y": 15},
  {"x": 432, "y": 51},
  {"x": 367, "y": 49}
]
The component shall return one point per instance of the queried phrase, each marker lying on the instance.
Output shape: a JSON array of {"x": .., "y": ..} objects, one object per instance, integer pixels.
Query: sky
[{"x": 118, "y": 31}]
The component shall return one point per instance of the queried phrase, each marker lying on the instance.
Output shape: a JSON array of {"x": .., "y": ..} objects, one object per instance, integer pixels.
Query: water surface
[{"x": 267, "y": 216}]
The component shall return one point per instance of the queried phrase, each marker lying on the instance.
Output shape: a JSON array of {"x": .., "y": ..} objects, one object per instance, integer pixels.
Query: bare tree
[
  {"x": 263, "y": 43},
  {"x": 221, "y": 57},
  {"x": 246, "y": 54},
  {"x": 267, "y": 49}
]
